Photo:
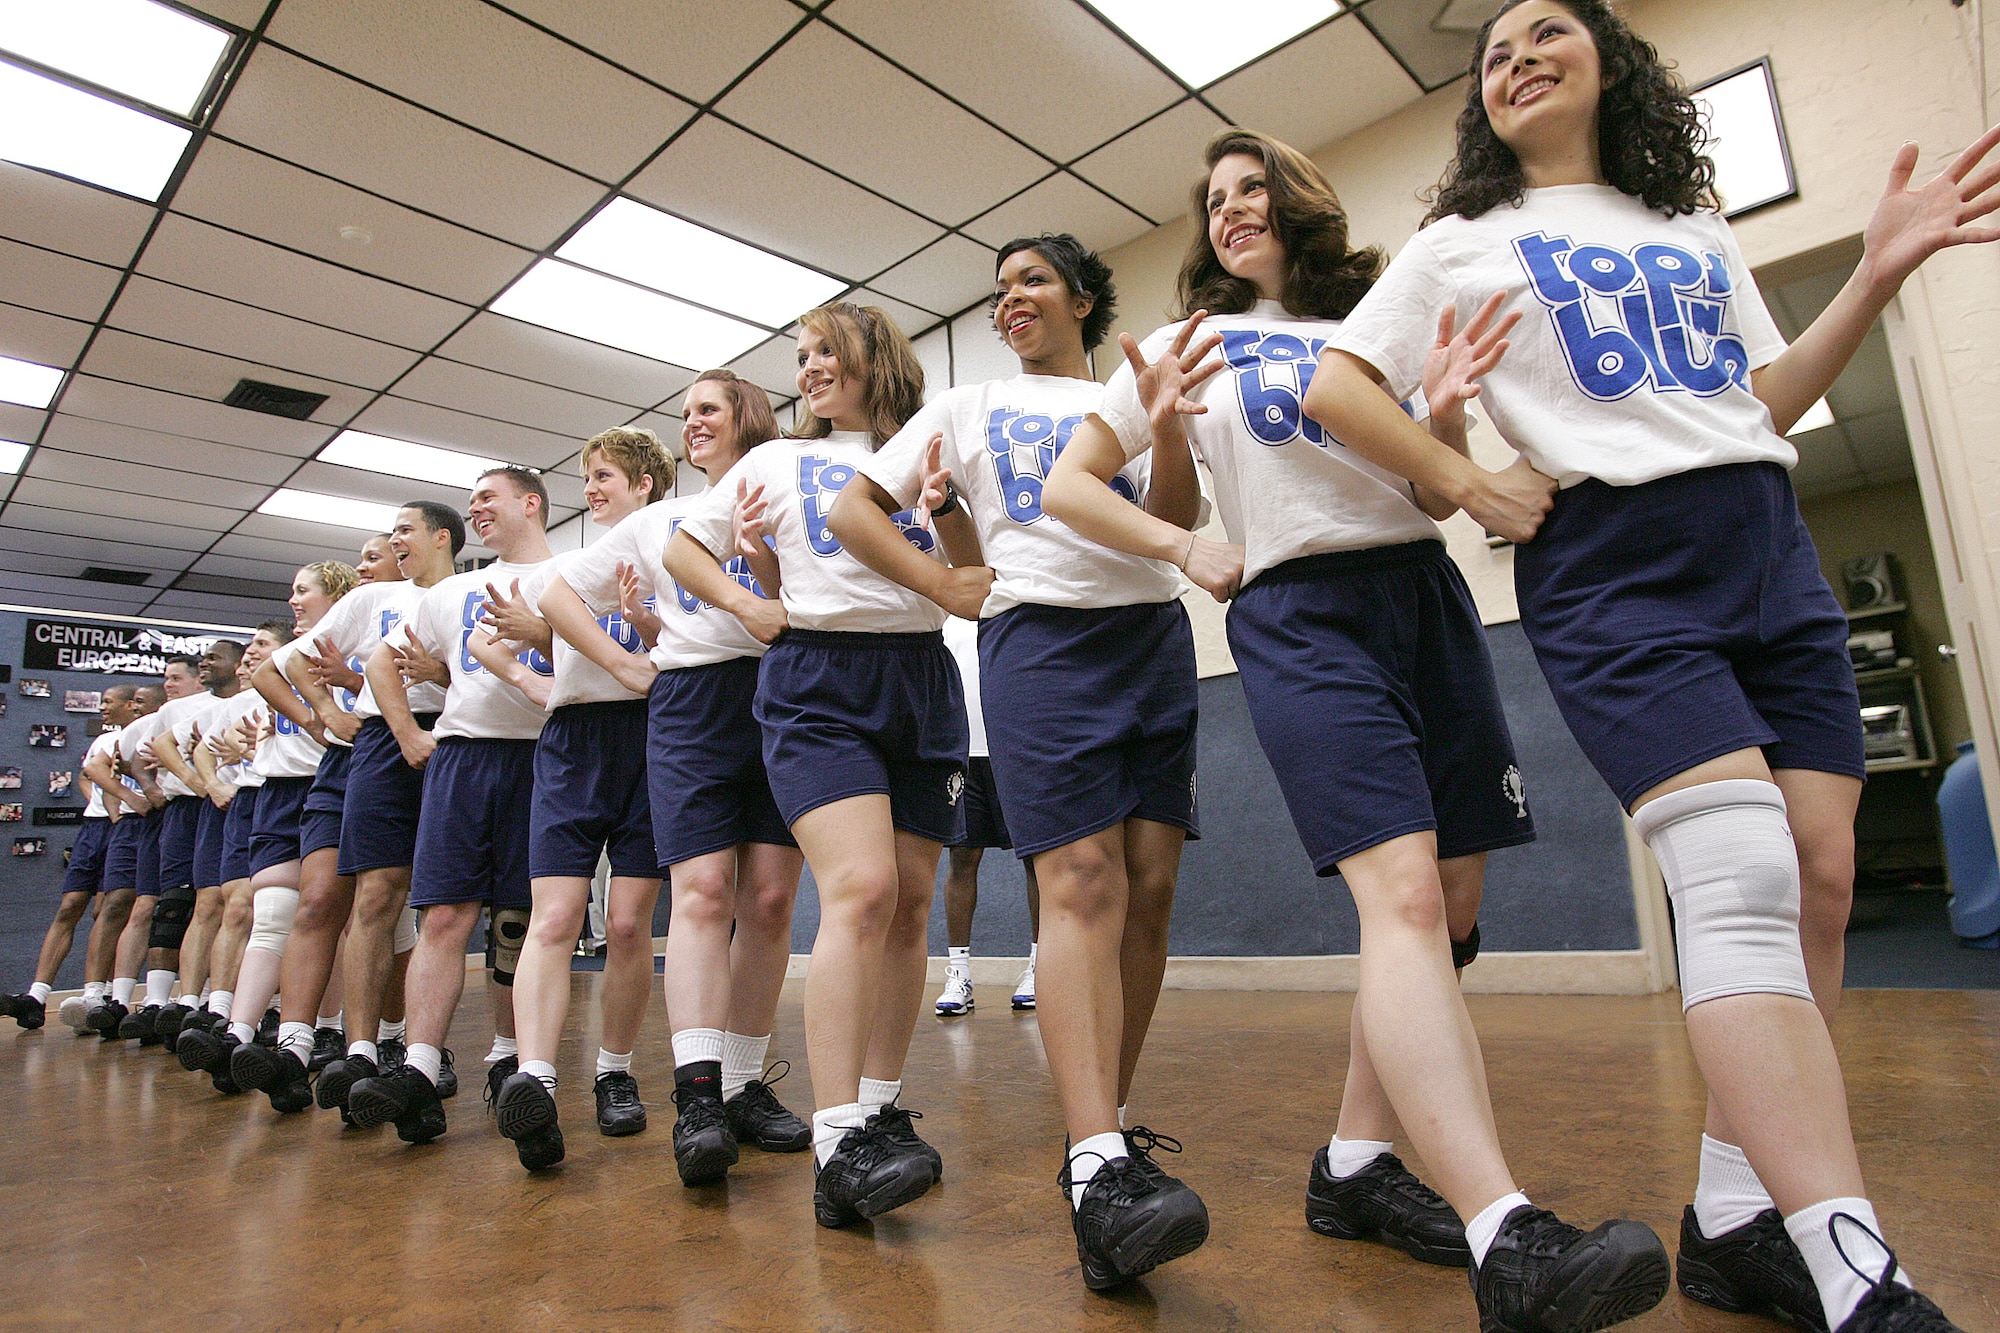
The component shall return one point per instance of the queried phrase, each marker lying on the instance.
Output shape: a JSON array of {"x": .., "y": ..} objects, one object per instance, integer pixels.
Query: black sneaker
[
  {"x": 267, "y": 1028},
  {"x": 202, "y": 1051},
  {"x": 329, "y": 1044},
  {"x": 338, "y": 1079},
  {"x": 897, "y": 1123},
  {"x": 167, "y": 1024},
  {"x": 868, "y": 1174},
  {"x": 273, "y": 1071},
  {"x": 619, "y": 1110},
  {"x": 497, "y": 1073},
  {"x": 1384, "y": 1202},
  {"x": 406, "y": 1097},
  {"x": 525, "y": 1112},
  {"x": 1889, "y": 1306},
  {"x": 220, "y": 1078},
  {"x": 447, "y": 1079},
  {"x": 1543, "y": 1275},
  {"x": 26, "y": 1010},
  {"x": 105, "y": 1019},
  {"x": 704, "y": 1145},
  {"x": 1133, "y": 1218},
  {"x": 757, "y": 1117},
  {"x": 140, "y": 1025},
  {"x": 1752, "y": 1269}
]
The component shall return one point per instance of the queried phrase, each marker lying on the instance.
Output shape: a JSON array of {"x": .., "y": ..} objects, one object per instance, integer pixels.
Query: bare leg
[
  {"x": 437, "y": 970},
  {"x": 379, "y": 896},
  {"x": 226, "y": 957},
  {"x": 325, "y": 901},
  {"x": 1152, "y": 865},
  {"x": 852, "y": 850},
  {"x": 131, "y": 948},
  {"x": 628, "y": 959},
  {"x": 200, "y": 939},
  {"x": 114, "y": 909},
  {"x": 395, "y": 1007},
  {"x": 961, "y": 895},
  {"x": 767, "y": 885},
  {"x": 1034, "y": 901},
  {"x": 905, "y": 958},
  {"x": 696, "y": 982},
  {"x": 541, "y": 978},
  {"x": 1081, "y": 992},
  {"x": 61, "y": 934}
]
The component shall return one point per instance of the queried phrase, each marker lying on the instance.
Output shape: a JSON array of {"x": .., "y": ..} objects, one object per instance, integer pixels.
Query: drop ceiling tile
[
  {"x": 24, "y": 514},
  {"x": 46, "y": 564},
  {"x": 243, "y": 13},
  {"x": 91, "y": 551},
  {"x": 1152, "y": 167},
  {"x": 1322, "y": 87},
  {"x": 774, "y": 364},
  {"x": 980, "y": 54},
  {"x": 403, "y": 419},
  {"x": 667, "y": 425},
  {"x": 104, "y": 439},
  {"x": 651, "y": 38},
  {"x": 946, "y": 278},
  {"x": 1435, "y": 55},
  {"x": 528, "y": 351},
  {"x": 255, "y": 193},
  {"x": 795, "y": 208},
  {"x": 118, "y": 355},
  {"x": 180, "y": 315},
  {"x": 906, "y": 317},
  {"x": 19, "y": 423},
  {"x": 284, "y": 554},
  {"x": 166, "y": 488},
  {"x": 965, "y": 166},
  {"x": 71, "y": 594},
  {"x": 57, "y": 283},
  {"x": 1061, "y": 203},
  {"x": 243, "y": 567},
  {"x": 48, "y": 340},
  {"x": 314, "y": 541},
  {"x": 213, "y": 608},
  {"x": 74, "y": 218},
  {"x": 323, "y": 121},
  {"x": 487, "y": 393},
  {"x": 225, "y": 263},
  {"x": 107, "y": 503},
  {"x": 176, "y": 414},
  {"x": 479, "y": 65}
]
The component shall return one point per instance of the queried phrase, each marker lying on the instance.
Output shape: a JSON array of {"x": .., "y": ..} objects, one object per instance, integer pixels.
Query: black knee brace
[
  {"x": 1465, "y": 950},
  {"x": 171, "y": 914}
]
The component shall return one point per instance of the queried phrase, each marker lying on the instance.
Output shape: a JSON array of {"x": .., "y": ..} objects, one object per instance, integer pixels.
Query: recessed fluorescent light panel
[
  {"x": 1200, "y": 43},
  {"x": 1753, "y": 167},
  {"x": 12, "y": 455},
  {"x": 400, "y": 458},
  {"x": 148, "y": 52},
  {"x": 335, "y": 510},
  {"x": 589, "y": 305},
  {"x": 58, "y": 128},
  {"x": 639, "y": 244},
  {"x": 26, "y": 383},
  {"x": 1817, "y": 417}
]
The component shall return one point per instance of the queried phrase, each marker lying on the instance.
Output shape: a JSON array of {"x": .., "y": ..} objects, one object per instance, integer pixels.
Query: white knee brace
[
  {"x": 406, "y": 930},
  {"x": 506, "y": 934},
  {"x": 271, "y": 913},
  {"x": 1733, "y": 875}
]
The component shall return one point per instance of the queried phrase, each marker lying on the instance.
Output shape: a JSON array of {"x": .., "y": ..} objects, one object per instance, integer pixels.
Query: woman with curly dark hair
[{"x": 1672, "y": 593}]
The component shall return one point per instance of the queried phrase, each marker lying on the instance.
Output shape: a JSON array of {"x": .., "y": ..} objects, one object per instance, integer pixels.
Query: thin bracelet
[{"x": 1185, "y": 554}]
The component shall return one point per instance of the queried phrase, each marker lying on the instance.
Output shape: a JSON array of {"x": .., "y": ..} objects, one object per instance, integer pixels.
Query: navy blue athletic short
[
  {"x": 178, "y": 821},
  {"x": 275, "y": 840},
  {"x": 472, "y": 842},
  {"x": 985, "y": 822},
  {"x": 85, "y": 872},
  {"x": 319, "y": 826},
  {"x": 1090, "y": 714},
  {"x": 855, "y": 714},
  {"x": 705, "y": 763},
  {"x": 208, "y": 830},
  {"x": 1685, "y": 618},
  {"x": 590, "y": 793},
  {"x": 238, "y": 822},
  {"x": 385, "y": 796},
  {"x": 121, "y": 852},
  {"x": 148, "y": 872},
  {"x": 1370, "y": 684}
]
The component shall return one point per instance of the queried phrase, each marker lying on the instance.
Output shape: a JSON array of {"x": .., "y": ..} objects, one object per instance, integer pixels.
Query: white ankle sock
[
  {"x": 1346, "y": 1156},
  {"x": 958, "y": 957},
  {"x": 1086, "y": 1157},
  {"x": 877, "y": 1093},
  {"x": 1032, "y": 947},
  {"x": 193, "y": 1001},
  {"x": 159, "y": 987},
  {"x": 40, "y": 990},
  {"x": 1727, "y": 1194},
  {"x": 829, "y": 1125},
  {"x": 610, "y": 1062},
  {"x": 1121, "y": 1118},
  {"x": 122, "y": 988},
  {"x": 94, "y": 990},
  {"x": 542, "y": 1070},
  {"x": 1481, "y": 1230},
  {"x": 296, "y": 1038},
  {"x": 742, "y": 1060},
  {"x": 387, "y": 1031},
  {"x": 426, "y": 1060},
  {"x": 243, "y": 1031},
  {"x": 502, "y": 1048},
  {"x": 338, "y": 1022},
  {"x": 220, "y": 1000},
  {"x": 694, "y": 1045},
  {"x": 365, "y": 1048},
  {"x": 1840, "y": 1287}
]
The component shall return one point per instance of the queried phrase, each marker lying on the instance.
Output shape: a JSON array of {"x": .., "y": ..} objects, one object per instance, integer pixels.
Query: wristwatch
[{"x": 950, "y": 505}]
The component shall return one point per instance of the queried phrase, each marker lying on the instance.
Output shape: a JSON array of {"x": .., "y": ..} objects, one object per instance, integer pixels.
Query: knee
[
  {"x": 1826, "y": 885},
  {"x": 1413, "y": 904},
  {"x": 1150, "y": 903},
  {"x": 555, "y": 923},
  {"x": 1084, "y": 882},
  {"x": 768, "y": 909},
  {"x": 628, "y": 925},
  {"x": 865, "y": 901},
  {"x": 705, "y": 897},
  {"x": 236, "y": 914},
  {"x": 376, "y": 905},
  {"x": 71, "y": 909}
]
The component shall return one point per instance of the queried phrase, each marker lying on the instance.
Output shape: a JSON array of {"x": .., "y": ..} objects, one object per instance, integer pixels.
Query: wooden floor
[{"x": 136, "y": 1197}]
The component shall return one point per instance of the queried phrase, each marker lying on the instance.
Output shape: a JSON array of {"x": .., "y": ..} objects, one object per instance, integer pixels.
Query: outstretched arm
[
  {"x": 861, "y": 520},
  {"x": 569, "y": 617},
  {"x": 695, "y": 568}
]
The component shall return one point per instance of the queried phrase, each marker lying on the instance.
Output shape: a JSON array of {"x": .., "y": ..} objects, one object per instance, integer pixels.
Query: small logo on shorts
[
  {"x": 954, "y": 786},
  {"x": 1515, "y": 791}
]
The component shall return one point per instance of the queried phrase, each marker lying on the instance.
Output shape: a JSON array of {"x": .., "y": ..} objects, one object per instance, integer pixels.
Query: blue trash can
[{"x": 1968, "y": 853}]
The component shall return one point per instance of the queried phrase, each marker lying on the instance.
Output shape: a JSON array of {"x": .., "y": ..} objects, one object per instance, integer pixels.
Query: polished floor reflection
[{"x": 136, "y": 1197}]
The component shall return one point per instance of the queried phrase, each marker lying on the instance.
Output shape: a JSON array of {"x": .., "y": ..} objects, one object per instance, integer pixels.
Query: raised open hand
[
  {"x": 1457, "y": 361},
  {"x": 1165, "y": 383},
  {"x": 747, "y": 523},
  {"x": 1909, "y": 226}
]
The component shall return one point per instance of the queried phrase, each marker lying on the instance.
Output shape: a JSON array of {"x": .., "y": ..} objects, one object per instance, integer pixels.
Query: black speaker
[{"x": 1872, "y": 581}]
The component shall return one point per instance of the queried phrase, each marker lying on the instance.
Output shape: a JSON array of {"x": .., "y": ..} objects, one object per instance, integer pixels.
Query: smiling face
[
  {"x": 377, "y": 562},
  {"x": 262, "y": 644},
  {"x": 1037, "y": 315},
  {"x": 501, "y": 513},
  {"x": 1239, "y": 224},
  {"x": 1540, "y": 81},
  {"x": 309, "y": 600},
  {"x": 611, "y": 494},
  {"x": 179, "y": 682},
  {"x": 218, "y": 663},
  {"x": 833, "y": 392},
  {"x": 708, "y": 428}
]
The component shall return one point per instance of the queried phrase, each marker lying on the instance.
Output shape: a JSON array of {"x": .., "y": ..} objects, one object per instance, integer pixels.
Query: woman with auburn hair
[
  {"x": 732, "y": 868},
  {"x": 1367, "y": 675},
  {"x": 1672, "y": 593},
  {"x": 864, "y": 737}
]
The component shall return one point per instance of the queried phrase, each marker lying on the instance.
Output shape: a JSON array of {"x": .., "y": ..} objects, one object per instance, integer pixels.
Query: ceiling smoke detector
[{"x": 354, "y": 235}]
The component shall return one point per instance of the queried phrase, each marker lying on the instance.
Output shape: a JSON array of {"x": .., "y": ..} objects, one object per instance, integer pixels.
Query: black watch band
[{"x": 950, "y": 505}]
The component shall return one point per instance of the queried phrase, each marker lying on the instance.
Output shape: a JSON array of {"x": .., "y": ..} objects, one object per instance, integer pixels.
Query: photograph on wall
[
  {"x": 62, "y": 782},
  {"x": 34, "y": 689},
  {"x": 30, "y": 846},
  {"x": 10, "y": 813},
  {"x": 48, "y": 736},
  {"x": 82, "y": 701},
  {"x": 10, "y": 776}
]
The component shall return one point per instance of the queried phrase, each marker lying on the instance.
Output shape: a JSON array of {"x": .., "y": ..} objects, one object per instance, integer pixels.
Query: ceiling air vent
[
  {"x": 131, "y": 578},
  {"x": 274, "y": 399}
]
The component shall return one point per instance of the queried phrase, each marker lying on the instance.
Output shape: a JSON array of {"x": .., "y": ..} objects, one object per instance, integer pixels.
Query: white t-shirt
[
  {"x": 692, "y": 633},
  {"x": 578, "y": 679},
  {"x": 962, "y": 637},
  {"x": 105, "y": 743},
  {"x": 1633, "y": 359},
  {"x": 1285, "y": 487},
  {"x": 176, "y": 719},
  {"x": 290, "y": 751},
  {"x": 132, "y": 742},
  {"x": 478, "y": 705},
  {"x": 1001, "y": 438},
  {"x": 244, "y": 703},
  {"x": 824, "y": 587},
  {"x": 356, "y": 625}
]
